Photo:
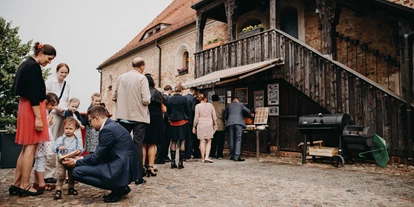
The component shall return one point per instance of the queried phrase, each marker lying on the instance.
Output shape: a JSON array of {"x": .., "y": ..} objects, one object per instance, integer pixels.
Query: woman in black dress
[
  {"x": 154, "y": 131},
  {"x": 178, "y": 113}
]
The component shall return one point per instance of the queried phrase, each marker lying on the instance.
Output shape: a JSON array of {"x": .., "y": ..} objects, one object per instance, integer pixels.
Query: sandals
[
  {"x": 72, "y": 191},
  {"x": 58, "y": 195}
]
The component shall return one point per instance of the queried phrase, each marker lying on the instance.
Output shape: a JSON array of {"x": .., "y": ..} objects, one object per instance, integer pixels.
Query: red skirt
[{"x": 26, "y": 130}]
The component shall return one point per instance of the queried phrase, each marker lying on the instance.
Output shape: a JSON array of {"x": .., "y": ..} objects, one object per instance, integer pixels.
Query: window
[
  {"x": 157, "y": 28},
  {"x": 182, "y": 58}
]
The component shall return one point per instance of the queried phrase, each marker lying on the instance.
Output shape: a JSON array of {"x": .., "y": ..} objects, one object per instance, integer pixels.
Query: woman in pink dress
[{"x": 205, "y": 124}]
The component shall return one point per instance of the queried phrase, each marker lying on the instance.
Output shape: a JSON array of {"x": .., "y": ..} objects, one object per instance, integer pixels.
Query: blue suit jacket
[
  {"x": 234, "y": 114},
  {"x": 115, "y": 156}
]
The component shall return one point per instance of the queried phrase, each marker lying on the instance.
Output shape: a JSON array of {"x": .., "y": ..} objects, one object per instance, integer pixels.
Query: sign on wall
[
  {"x": 273, "y": 94},
  {"x": 241, "y": 94}
]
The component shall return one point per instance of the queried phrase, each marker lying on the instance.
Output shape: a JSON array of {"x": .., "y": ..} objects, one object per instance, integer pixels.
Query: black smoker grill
[
  {"x": 332, "y": 124},
  {"x": 358, "y": 139}
]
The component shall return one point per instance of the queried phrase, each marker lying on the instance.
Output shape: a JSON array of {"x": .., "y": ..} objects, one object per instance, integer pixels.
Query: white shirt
[{"x": 52, "y": 85}]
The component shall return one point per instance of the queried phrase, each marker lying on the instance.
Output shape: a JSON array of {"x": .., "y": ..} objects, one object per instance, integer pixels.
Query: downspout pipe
[
  {"x": 159, "y": 63},
  {"x": 409, "y": 91},
  {"x": 100, "y": 82}
]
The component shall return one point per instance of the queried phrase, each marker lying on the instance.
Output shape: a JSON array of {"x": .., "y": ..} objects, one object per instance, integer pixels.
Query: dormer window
[{"x": 154, "y": 30}]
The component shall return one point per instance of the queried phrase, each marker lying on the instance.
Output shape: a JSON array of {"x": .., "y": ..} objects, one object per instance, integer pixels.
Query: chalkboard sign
[{"x": 241, "y": 94}]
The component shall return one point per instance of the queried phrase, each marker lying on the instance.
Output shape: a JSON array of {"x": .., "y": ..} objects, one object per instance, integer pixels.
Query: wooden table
[{"x": 257, "y": 134}]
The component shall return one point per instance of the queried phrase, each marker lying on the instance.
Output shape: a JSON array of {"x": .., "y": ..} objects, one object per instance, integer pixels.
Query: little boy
[{"x": 65, "y": 144}]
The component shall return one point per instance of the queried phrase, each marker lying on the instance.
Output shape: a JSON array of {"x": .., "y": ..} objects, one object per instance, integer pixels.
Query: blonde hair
[
  {"x": 74, "y": 100},
  {"x": 98, "y": 95}
]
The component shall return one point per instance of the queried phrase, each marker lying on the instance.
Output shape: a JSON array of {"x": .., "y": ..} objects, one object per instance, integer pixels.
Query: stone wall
[
  {"x": 172, "y": 48},
  {"x": 377, "y": 34}
]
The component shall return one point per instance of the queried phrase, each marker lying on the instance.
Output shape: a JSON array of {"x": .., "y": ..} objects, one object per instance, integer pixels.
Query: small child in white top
[{"x": 45, "y": 148}]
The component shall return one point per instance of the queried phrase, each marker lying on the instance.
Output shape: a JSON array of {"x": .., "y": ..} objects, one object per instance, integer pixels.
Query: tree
[{"x": 12, "y": 53}]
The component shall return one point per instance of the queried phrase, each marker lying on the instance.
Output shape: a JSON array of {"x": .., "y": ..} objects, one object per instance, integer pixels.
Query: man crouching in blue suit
[{"x": 113, "y": 165}]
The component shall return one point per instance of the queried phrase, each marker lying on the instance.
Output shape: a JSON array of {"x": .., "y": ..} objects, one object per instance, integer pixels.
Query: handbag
[{"x": 163, "y": 108}]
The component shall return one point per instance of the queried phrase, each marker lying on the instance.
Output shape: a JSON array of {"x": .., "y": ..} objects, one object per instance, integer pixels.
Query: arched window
[{"x": 182, "y": 59}]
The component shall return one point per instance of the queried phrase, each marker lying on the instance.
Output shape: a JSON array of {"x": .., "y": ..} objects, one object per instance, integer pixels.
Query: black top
[
  {"x": 69, "y": 113},
  {"x": 178, "y": 108},
  {"x": 191, "y": 103},
  {"x": 29, "y": 82}
]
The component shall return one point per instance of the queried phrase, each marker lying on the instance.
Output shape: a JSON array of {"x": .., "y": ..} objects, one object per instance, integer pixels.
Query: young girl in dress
[
  {"x": 45, "y": 148},
  {"x": 92, "y": 136},
  {"x": 73, "y": 105},
  {"x": 69, "y": 142}
]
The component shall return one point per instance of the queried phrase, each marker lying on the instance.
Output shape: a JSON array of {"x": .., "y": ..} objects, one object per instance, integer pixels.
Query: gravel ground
[{"x": 268, "y": 182}]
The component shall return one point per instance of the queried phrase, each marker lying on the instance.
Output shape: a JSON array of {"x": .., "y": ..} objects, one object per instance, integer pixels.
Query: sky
[{"x": 84, "y": 32}]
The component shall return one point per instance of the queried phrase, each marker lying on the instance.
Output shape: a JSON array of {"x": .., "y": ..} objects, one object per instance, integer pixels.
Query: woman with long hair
[
  {"x": 31, "y": 116},
  {"x": 154, "y": 131}
]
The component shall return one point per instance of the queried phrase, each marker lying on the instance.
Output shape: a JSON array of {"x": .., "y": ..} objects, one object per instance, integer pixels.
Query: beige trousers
[{"x": 57, "y": 131}]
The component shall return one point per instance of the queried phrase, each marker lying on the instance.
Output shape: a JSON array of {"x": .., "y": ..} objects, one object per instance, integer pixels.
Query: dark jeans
[
  {"x": 217, "y": 144},
  {"x": 192, "y": 145},
  {"x": 138, "y": 137},
  {"x": 235, "y": 139},
  {"x": 162, "y": 147}
]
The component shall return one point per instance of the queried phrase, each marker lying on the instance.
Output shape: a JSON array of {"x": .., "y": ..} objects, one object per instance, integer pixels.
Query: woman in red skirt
[{"x": 31, "y": 116}]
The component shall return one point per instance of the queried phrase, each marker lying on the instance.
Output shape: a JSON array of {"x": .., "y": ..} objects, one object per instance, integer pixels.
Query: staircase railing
[{"x": 331, "y": 84}]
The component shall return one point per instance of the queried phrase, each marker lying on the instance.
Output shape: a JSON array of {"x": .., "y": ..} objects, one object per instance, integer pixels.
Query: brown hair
[
  {"x": 61, "y": 65},
  {"x": 179, "y": 88},
  {"x": 97, "y": 111},
  {"x": 201, "y": 97},
  {"x": 167, "y": 87},
  {"x": 71, "y": 120},
  {"x": 98, "y": 95},
  {"x": 45, "y": 48},
  {"x": 52, "y": 99},
  {"x": 74, "y": 100}
]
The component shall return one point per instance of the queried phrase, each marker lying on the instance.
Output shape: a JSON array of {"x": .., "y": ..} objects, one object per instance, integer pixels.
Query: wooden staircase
[{"x": 332, "y": 85}]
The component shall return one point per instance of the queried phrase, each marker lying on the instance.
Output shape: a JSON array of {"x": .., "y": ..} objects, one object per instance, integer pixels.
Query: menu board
[
  {"x": 241, "y": 94},
  {"x": 261, "y": 116}
]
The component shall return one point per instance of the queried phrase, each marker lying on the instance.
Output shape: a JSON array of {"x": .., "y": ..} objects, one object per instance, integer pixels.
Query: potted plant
[
  {"x": 182, "y": 71},
  {"x": 213, "y": 43},
  {"x": 251, "y": 30}
]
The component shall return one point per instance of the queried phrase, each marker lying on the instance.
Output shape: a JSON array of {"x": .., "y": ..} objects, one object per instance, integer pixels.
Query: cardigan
[{"x": 29, "y": 82}]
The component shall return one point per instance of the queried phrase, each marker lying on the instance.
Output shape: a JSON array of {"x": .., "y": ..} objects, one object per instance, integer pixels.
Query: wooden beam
[
  {"x": 231, "y": 25},
  {"x": 273, "y": 13},
  {"x": 327, "y": 12},
  {"x": 200, "y": 24}
]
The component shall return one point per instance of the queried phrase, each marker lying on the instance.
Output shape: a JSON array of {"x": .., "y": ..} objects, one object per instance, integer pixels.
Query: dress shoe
[
  {"x": 50, "y": 180},
  {"x": 113, "y": 198},
  {"x": 239, "y": 160},
  {"x": 140, "y": 181},
  {"x": 23, "y": 192},
  {"x": 13, "y": 190},
  {"x": 125, "y": 191}
]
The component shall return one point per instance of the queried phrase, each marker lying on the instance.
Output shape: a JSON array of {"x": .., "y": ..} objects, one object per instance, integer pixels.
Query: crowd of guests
[{"x": 159, "y": 122}]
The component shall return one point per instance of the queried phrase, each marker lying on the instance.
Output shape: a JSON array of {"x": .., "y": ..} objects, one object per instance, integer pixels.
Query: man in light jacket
[
  {"x": 218, "y": 140},
  {"x": 132, "y": 97}
]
